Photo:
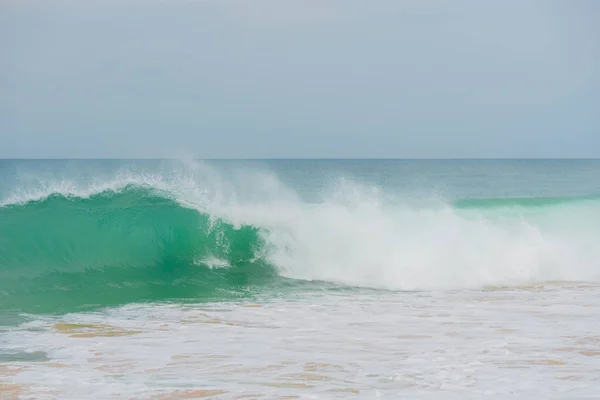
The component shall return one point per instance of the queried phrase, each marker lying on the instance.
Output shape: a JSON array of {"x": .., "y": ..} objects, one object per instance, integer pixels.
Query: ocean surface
[{"x": 309, "y": 279}]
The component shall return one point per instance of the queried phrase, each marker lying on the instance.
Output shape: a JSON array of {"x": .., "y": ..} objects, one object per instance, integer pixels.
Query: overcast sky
[{"x": 300, "y": 78}]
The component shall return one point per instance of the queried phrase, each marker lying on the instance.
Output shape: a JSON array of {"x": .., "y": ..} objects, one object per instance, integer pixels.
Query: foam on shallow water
[{"x": 539, "y": 341}]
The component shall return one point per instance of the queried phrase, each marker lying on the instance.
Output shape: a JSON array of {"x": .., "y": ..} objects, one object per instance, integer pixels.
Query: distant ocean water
[{"x": 327, "y": 278}]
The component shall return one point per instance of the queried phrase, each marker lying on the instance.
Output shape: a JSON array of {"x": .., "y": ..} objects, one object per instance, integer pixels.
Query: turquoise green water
[
  {"x": 64, "y": 252},
  {"x": 77, "y": 235}
]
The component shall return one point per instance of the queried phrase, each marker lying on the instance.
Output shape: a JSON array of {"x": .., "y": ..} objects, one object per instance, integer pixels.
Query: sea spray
[{"x": 198, "y": 234}]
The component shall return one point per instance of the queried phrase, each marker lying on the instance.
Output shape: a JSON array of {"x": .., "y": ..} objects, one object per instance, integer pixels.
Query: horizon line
[{"x": 293, "y": 158}]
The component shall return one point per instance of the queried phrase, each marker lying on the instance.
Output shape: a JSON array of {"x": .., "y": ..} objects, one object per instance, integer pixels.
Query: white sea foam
[{"x": 536, "y": 342}]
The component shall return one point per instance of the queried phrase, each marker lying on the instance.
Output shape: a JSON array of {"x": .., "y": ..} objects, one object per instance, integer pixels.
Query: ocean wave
[
  {"x": 116, "y": 246},
  {"x": 155, "y": 237}
]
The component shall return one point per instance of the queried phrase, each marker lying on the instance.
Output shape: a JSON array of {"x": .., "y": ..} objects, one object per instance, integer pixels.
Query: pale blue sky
[{"x": 300, "y": 78}]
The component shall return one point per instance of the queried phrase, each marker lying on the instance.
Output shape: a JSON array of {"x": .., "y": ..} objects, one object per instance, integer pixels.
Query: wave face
[
  {"x": 115, "y": 247},
  {"x": 155, "y": 238}
]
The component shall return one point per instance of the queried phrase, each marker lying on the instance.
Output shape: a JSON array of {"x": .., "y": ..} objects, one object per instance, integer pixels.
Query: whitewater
[{"x": 308, "y": 278}]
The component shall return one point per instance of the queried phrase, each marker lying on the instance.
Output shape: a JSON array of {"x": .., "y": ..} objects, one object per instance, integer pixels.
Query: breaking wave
[{"x": 154, "y": 238}]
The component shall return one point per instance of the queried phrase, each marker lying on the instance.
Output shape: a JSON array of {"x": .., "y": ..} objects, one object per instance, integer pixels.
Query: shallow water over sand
[{"x": 534, "y": 342}]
